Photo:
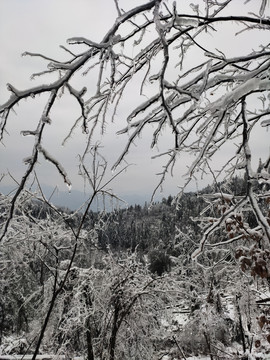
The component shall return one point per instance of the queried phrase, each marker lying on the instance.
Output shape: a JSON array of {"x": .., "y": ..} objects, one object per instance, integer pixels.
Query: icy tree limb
[
  {"x": 160, "y": 30},
  {"x": 250, "y": 178},
  {"x": 59, "y": 167},
  {"x": 32, "y": 161},
  {"x": 215, "y": 226}
]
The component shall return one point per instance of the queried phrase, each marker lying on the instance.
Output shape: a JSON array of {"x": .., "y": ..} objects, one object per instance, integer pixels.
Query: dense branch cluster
[
  {"x": 205, "y": 100},
  {"x": 204, "y": 106}
]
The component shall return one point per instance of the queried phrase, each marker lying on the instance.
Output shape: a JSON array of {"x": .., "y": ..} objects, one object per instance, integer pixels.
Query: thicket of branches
[{"x": 206, "y": 99}]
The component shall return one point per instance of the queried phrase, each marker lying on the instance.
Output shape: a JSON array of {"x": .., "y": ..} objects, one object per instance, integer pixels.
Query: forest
[
  {"x": 133, "y": 290},
  {"x": 186, "y": 277}
]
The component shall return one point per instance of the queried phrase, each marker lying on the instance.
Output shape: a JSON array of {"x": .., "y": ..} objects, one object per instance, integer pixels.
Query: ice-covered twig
[
  {"x": 59, "y": 167},
  {"x": 216, "y": 226},
  {"x": 169, "y": 166},
  {"x": 79, "y": 96},
  {"x": 31, "y": 163},
  {"x": 160, "y": 30},
  {"x": 82, "y": 40},
  {"x": 27, "y": 53},
  {"x": 252, "y": 198}
]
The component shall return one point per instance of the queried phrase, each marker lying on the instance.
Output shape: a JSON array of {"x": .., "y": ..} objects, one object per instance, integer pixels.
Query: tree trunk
[
  {"x": 90, "y": 352},
  {"x": 241, "y": 325},
  {"x": 113, "y": 334},
  {"x": 208, "y": 345}
]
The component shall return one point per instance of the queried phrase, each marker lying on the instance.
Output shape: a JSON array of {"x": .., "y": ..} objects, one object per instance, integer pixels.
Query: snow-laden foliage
[{"x": 208, "y": 99}]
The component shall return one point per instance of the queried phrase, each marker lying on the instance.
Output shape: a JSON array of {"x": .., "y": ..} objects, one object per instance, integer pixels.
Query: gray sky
[{"x": 40, "y": 26}]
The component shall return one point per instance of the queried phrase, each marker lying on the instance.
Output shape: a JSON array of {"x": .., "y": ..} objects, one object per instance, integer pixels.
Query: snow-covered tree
[
  {"x": 115, "y": 310},
  {"x": 209, "y": 98}
]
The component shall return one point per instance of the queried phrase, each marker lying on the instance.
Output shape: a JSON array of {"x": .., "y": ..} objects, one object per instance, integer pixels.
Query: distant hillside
[{"x": 74, "y": 199}]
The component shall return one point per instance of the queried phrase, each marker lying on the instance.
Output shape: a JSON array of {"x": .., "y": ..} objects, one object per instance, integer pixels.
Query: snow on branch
[
  {"x": 252, "y": 197},
  {"x": 249, "y": 86},
  {"x": 79, "y": 96},
  {"x": 59, "y": 167}
]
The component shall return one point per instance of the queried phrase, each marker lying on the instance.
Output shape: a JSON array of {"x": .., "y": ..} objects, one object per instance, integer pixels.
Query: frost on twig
[
  {"x": 59, "y": 167},
  {"x": 92, "y": 44},
  {"x": 79, "y": 96},
  {"x": 27, "y": 53}
]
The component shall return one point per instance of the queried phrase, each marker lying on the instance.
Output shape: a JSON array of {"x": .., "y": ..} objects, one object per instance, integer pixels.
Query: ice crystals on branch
[
  {"x": 29, "y": 132},
  {"x": 78, "y": 95},
  {"x": 265, "y": 123},
  {"x": 59, "y": 66},
  {"x": 12, "y": 89},
  {"x": 262, "y": 8},
  {"x": 28, "y": 160},
  {"x": 59, "y": 167},
  {"x": 247, "y": 87},
  {"x": 184, "y": 21},
  {"x": 102, "y": 45},
  {"x": 45, "y": 119}
]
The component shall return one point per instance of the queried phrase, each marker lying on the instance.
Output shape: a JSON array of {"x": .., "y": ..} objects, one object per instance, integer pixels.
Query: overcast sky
[{"x": 40, "y": 26}]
